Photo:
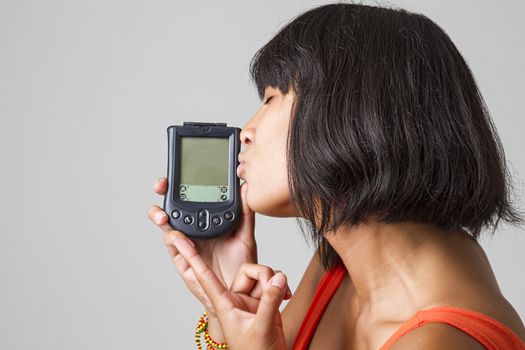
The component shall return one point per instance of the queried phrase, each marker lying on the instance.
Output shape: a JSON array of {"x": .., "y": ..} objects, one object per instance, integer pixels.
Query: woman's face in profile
[{"x": 264, "y": 138}]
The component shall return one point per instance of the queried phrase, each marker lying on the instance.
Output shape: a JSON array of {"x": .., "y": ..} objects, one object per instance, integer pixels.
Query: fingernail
[
  {"x": 182, "y": 245},
  {"x": 279, "y": 280},
  {"x": 159, "y": 216}
]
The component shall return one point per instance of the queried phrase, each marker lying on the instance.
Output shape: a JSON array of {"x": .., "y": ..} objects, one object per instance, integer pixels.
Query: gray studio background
[{"x": 87, "y": 90}]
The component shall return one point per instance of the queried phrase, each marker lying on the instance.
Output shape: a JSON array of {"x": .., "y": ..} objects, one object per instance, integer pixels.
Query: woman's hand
[
  {"x": 224, "y": 254},
  {"x": 249, "y": 310}
]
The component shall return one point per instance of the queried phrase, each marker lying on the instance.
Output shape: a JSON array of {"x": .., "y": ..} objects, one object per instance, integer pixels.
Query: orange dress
[{"x": 491, "y": 333}]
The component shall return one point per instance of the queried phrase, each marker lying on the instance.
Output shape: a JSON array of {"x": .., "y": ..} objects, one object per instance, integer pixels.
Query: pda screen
[{"x": 204, "y": 169}]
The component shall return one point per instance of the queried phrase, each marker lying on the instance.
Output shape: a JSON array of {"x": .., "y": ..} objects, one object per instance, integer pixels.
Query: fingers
[
  {"x": 246, "y": 226},
  {"x": 270, "y": 301},
  {"x": 249, "y": 275},
  {"x": 246, "y": 210},
  {"x": 160, "y": 186},
  {"x": 252, "y": 279},
  {"x": 159, "y": 217},
  {"x": 288, "y": 291},
  {"x": 210, "y": 283},
  {"x": 178, "y": 260}
]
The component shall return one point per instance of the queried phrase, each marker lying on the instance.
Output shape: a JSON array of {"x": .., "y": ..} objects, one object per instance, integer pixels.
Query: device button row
[{"x": 216, "y": 220}]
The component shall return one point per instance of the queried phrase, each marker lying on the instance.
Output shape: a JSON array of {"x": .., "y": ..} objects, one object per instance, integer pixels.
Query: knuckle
[
  {"x": 266, "y": 271},
  {"x": 177, "y": 257},
  {"x": 266, "y": 268},
  {"x": 201, "y": 269},
  {"x": 168, "y": 238},
  {"x": 177, "y": 262},
  {"x": 151, "y": 211}
]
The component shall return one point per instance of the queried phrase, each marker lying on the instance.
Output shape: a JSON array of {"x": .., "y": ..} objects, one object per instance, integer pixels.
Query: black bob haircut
[{"x": 388, "y": 122}]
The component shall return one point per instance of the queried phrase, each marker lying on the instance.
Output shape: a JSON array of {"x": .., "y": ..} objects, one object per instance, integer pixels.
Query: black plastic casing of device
[{"x": 219, "y": 218}]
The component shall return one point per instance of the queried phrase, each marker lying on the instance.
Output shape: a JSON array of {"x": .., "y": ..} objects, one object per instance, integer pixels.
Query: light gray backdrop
[{"x": 87, "y": 90}]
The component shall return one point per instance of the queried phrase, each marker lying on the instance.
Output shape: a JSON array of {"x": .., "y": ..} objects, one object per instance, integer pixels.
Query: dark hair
[{"x": 388, "y": 121}]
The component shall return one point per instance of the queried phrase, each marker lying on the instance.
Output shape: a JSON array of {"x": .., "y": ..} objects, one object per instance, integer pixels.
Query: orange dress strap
[
  {"x": 323, "y": 293},
  {"x": 491, "y": 333}
]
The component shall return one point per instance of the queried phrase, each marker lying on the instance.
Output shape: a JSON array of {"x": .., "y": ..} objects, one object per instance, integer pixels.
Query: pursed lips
[{"x": 240, "y": 167}]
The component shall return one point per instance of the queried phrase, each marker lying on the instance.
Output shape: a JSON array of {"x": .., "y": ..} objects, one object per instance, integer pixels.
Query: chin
[{"x": 270, "y": 203}]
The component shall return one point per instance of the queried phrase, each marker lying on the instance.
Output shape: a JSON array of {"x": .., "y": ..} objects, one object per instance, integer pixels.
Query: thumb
[
  {"x": 270, "y": 301},
  {"x": 246, "y": 227}
]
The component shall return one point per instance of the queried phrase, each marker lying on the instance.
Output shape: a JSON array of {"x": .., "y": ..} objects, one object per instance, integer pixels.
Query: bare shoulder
[
  {"x": 437, "y": 336},
  {"x": 295, "y": 311}
]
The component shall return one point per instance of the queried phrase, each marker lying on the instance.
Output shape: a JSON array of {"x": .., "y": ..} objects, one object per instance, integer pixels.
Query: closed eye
[{"x": 268, "y": 100}]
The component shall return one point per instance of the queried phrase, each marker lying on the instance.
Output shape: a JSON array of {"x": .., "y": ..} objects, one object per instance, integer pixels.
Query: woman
[{"x": 374, "y": 134}]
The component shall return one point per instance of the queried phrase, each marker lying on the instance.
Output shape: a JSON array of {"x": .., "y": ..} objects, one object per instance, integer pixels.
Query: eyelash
[{"x": 268, "y": 100}]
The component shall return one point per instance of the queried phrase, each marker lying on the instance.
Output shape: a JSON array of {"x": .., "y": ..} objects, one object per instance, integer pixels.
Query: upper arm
[
  {"x": 437, "y": 336},
  {"x": 294, "y": 312}
]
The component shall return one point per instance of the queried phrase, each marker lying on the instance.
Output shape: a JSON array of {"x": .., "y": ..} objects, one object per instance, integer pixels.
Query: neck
[{"x": 398, "y": 267}]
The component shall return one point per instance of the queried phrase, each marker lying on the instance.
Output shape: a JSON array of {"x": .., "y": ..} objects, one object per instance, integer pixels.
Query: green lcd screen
[{"x": 204, "y": 166}]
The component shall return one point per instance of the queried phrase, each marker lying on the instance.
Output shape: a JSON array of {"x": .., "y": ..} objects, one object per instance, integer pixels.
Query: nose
[{"x": 247, "y": 136}]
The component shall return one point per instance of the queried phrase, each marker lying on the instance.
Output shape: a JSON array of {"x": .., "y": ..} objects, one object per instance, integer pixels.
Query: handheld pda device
[{"x": 203, "y": 196}]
